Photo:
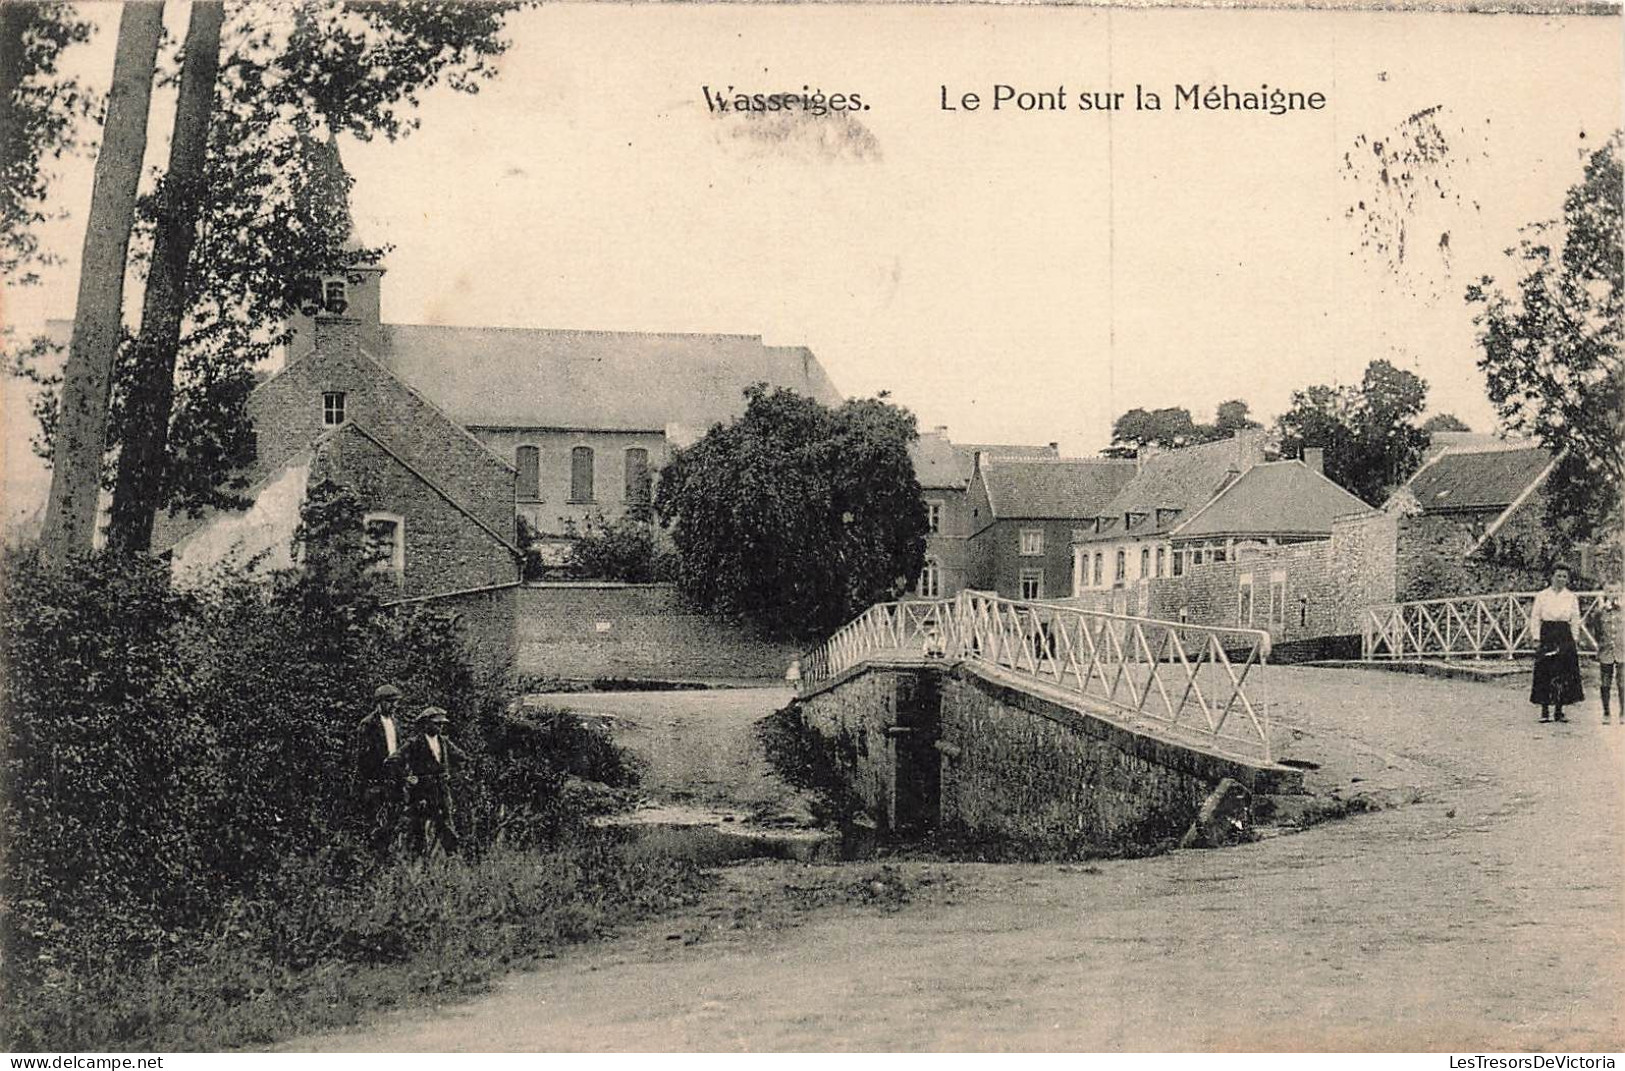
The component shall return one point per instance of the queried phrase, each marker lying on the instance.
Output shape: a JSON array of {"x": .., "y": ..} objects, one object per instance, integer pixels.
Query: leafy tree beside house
[
  {"x": 1369, "y": 433},
  {"x": 1551, "y": 348},
  {"x": 796, "y": 516}
]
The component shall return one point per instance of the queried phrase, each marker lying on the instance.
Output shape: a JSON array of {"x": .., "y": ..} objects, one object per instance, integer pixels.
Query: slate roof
[
  {"x": 1481, "y": 479},
  {"x": 945, "y": 465},
  {"x": 1182, "y": 480},
  {"x": 1280, "y": 498},
  {"x": 594, "y": 380},
  {"x": 1051, "y": 488}
]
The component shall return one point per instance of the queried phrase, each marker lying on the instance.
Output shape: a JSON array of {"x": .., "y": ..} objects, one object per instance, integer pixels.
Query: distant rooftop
[
  {"x": 1476, "y": 478},
  {"x": 942, "y": 464},
  {"x": 595, "y": 380},
  {"x": 1031, "y": 488}
]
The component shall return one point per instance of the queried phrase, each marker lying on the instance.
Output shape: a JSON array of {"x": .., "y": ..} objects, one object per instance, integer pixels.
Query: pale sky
[{"x": 1018, "y": 277}]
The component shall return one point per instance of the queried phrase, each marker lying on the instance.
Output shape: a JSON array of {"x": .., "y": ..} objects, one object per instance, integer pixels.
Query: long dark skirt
[{"x": 1557, "y": 667}]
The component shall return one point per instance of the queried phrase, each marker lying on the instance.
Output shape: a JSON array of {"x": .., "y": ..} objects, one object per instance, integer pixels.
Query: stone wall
[
  {"x": 446, "y": 550},
  {"x": 486, "y": 625},
  {"x": 1015, "y": 768},
  {"x": 584, "y": 631},
  {"x": 1433, "y": 560},
  {"x": 1325, "y": 584},
  {"x": 853, "y": 719},
  {"x": 287, "y": 415}
]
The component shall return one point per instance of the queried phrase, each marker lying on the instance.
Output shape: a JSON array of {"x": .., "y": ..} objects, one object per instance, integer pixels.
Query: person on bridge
[
  {"x": 1553, "y": 621},
  {"x": 1610, "y": 645}
]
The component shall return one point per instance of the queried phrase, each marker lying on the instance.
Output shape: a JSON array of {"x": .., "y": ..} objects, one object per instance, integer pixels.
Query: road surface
[{"x": 1485, "y": 915}]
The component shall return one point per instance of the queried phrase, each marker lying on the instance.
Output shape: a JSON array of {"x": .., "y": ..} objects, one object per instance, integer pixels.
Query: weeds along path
[{"x": 1485, "y": 916}]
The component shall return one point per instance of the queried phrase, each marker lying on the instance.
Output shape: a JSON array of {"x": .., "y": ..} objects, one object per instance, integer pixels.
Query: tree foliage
[
  {"x": 40, "y": 112},
  {"x": 1173, "y": 427},
  {"x": 1551, "y": 347},
  {"x": 796, "y": 516},
  {"x": 1444, "y": 422},
  {"x": 1369, "y": 433},
  {"x": 273, "y": 214}
]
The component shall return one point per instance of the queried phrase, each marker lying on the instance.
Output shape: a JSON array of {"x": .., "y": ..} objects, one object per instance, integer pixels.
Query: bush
[
  {"x": 177, "y": 761},
  {"x": 627, "y": 550}
]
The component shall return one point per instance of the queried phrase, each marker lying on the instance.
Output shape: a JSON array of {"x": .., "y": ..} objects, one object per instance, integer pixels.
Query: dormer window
[
  {"x": 333, "y": 408},
  {"x": 335, "y": 296}
]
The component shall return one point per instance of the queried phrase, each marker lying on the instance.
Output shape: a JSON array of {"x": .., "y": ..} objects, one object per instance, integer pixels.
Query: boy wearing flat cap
[
  {"x": 428, "y": 759},
  {"x": 376, "y": 743}
]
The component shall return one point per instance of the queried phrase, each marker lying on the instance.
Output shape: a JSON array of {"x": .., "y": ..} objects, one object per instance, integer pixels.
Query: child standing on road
[{"x": 1609, "y": 644}]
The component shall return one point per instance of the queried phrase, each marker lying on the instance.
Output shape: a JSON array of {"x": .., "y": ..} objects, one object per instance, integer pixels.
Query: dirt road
[{"x": 1486, "y": 916}]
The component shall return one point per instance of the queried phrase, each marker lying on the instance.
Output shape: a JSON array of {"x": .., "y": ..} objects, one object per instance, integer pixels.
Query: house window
[
  {"x": 930, "y": 585},
  {"x": 1145, "y": 561},
  {"x": 333, "y": 408},
  {"x": 1179, "y": 563},
  {"x": 1278, "y": 600},
  {"x": 1122, "y": 566},
  {"x": 1162, "y": 563},
  {"x": 385, "y": 536},
  {"x": 1032, "y": 583},
  {"x": 1032, "y": 542},
  {"x": 637, "y": 477},
  {"x": 334, "y": 297},
  {"x": 581, "y": 474},
  {"x": 1217, "y": 554},
  {"x": 1244, "y": 599},
  {"x": 528, "y": 460},
  {"x": 933, "y": 517},
  {"x": 1100, "y": 568}
]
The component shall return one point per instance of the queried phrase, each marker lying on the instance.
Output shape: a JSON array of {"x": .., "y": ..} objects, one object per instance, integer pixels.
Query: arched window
[
  {"x": 637, "y": 477},
  {"x": 930, "y": 585},
  {"x": 581, "y": 474},
  {"x": 528, "y": 460}
]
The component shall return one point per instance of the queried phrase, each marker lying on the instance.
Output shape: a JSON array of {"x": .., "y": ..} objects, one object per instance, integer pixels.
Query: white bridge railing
[
  {"x": 1197, "y": 679},
  {"x": 1472, "y": 626}
]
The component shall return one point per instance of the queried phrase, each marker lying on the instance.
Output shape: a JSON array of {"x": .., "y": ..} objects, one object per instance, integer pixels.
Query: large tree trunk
[
  {"x": 139, "y": 489},
  {"x": 81, "y": 430}
]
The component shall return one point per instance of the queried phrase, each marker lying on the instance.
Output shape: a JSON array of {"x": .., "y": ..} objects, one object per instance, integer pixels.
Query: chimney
[
  {"x": 940, "y": 429},
  {"x": 1055, "y": 448},
  {"x": 1249, "y": 444},
  {"x": 1314, "y": 459}
]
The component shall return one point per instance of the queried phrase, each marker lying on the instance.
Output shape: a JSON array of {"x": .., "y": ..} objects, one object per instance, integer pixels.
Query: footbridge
[
  {"x": 1061, "y": 728},
  {"x": 1494, "y": 626}
]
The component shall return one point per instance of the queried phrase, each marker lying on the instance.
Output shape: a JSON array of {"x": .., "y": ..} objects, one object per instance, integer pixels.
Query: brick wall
[
  {"x": 445, "y": 549},
  {"x": 585, "y": 631}
]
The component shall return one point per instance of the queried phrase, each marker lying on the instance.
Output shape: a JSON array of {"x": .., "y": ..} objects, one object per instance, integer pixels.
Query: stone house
[
  {"x": 1202, "y": 505},
  {"x": 944, "y": 469},
  {"x": 1025, "y": 514},
  {"x": 585, "y": 418},
  {"x": 451, "y": 435},
  {"x": 1471, "y": 520}
]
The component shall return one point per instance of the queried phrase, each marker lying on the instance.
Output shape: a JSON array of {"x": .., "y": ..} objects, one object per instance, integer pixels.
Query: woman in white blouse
[{"x": 1553, "y": 622}]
